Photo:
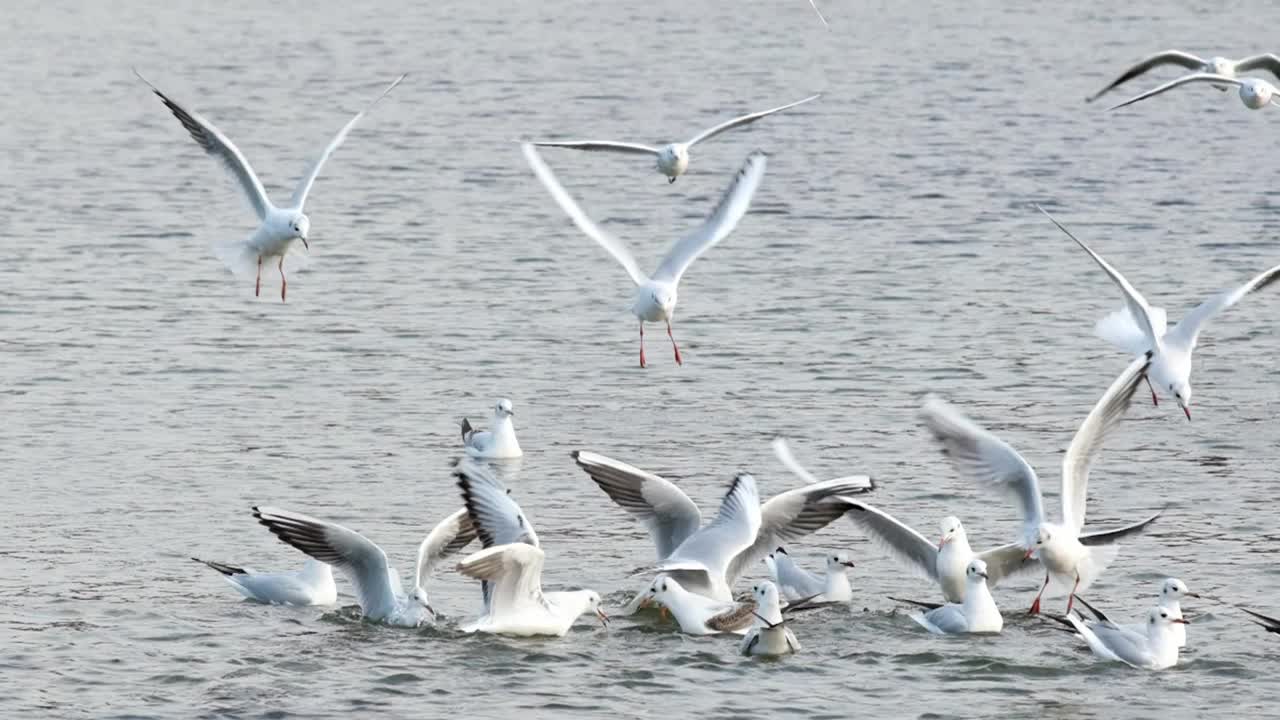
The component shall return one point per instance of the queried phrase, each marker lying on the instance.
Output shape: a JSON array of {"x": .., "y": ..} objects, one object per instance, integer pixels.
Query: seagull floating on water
[
  {"x": 944, "y": 563},
  {"x": 1254, "y": 93},
  {"x": 1066, "y": 552},
  {"x": 1172, "y": 591},
  {"x": 977, "y": 614},
  {"x": 673, "y": 159},
  {"x": 707, "y": 560},
  {"x": 1220, "y": 66},
  {"x": 378, "y": 589},
  {"x": 698, "y": 614},
  {"x": 797, "y": 583},
  {"x": 1156, "y": 649},
  {"x": 1142, "y": 329},
  {"x": 312, "y": 585},
  {"x": 499, "y": 441},
  {"x": 655, "y": 297},
  {"x": 769, "y": 635},
  {"x": 279, "y": 227}
]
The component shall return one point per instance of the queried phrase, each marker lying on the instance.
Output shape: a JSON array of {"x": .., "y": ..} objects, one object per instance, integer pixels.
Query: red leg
[
  {"x": 673, "y": 344},
  {"x": 1154, "y": 400},
  {"x": 257, "y": 285},
  {"x": 1035, "y": 606},
  {"x": 1072, "y": 597},
  {"x": 642, "y": 344},
  {"x": 284, "y": 284}
]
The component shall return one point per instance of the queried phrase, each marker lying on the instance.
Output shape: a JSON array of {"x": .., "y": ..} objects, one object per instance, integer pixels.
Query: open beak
[
  {"x": 604, "y": 619},
  {"x": 432, "y": 610},
  {"x": 1182, "y": 621}
]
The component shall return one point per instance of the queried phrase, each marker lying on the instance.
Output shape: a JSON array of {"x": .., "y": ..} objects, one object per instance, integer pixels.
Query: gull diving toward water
[
  {"x": 945, "y": 563},
  {"x": 510, "y": 566},
  {"x": 1073, "y": 557},
  {"x": 797, "y": 583},
  {"x": 1142, "y": 329},
  {"x": 1226, "y": 69},
  {"x": 707, "y": 560},
  {"x": 698, "y": 614},
  {"x": 769, "y": 635},
  {"x": 655, "y": 297},
  {"x": 673, "y": 159},
  {"x": 499, "y": 441},
  {"x": 1155, "y": 649},
  {"x": 279, "y": 227},
  {"x": 1254, "y": 93},
  {"x": 977, "y": 614},
  {"x": 312, "y": 585},
  {"x": 365, "y": 565}
]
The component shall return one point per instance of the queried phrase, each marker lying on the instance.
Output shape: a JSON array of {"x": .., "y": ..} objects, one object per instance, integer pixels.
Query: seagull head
[
  {"x": 593, "y": 605},
  {"x": 300, "y": 226},
  {"x": 1174, "y": 589},
  {"x": 1222, "y": 66},
  {"x": 951, "y": 529},
  {"x": 977, "y": 571},
  {"x": 1256, "y": 93},
  {"x": 1160, "y": 618},
  {"x": 1181, "y": 391},
  {"x": 1043, "y": 536},
  {"x": 664, "y": 296},
  {"x": 837, "y": 562},
  {"x": 766, "y": 595},
  {"x": 503, "y": 408},
  {"x": 420, "y": 597}
]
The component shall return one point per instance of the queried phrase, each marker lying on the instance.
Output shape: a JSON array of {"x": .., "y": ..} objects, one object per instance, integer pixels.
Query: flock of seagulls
[{"x": 698, "y": 562}]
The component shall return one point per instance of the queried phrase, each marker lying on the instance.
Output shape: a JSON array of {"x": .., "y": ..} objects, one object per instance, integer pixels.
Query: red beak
[
  {"x": 1187, "y": 410},
  {"x": 1030, "y": 552},
  {"x": 942, "y": 542}
]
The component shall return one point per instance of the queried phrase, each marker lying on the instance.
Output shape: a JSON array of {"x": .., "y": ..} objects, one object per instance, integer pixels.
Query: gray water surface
[{"x": 149, "y": 400}]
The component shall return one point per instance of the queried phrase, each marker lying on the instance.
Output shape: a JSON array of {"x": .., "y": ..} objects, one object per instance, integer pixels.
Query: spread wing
[
  {"x": 670, "y": 516},
  {"x": 1187, "y": 332},
  {"x": 514, "y": 571},
  {"x": 497, "y": 519},
  {"x": 1168, "y": 57},
  {"x": 1196, "y": 78},
  {"x": 908, "y": 547},
  {"x": 1266, "y": 61},
  {"x": 448, "y": 538},
  {"x": 746, "y": 119}
]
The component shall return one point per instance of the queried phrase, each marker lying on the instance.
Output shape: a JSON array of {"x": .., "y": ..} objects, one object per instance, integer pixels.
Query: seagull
[
  {"x": 1172, "y": 591},
  {"x": 977, "y": 614},
  {"x": 655, "y": 297},
  {"x": 312, "y": 585},
  {"x": 797, "y": 583},
  {"x": 382, "y": 598},
  {"x": 673, "y": 159},
  {"x": 497, "y": 519},
  {"x": 517, "y": 605},
  {"x": 1062, "y": 549},
  {"x": 814, "y": 5},
  {"x": 1254, "y": 93},
  {"x": 499, "y": 441},
  {"x": 279, "y": 226},
  {"x": 698, "y": 614},
  {"x": 944, "y": 563},
  {"x": 769, "y": 635},
  {"x": 1214, "y": 66},
  {"x": 707, "y": 560},
  {"x": 1157, "y": 649},
  {"x": 1141, "y": 329},
  {"x": 1269, "y": 624}
]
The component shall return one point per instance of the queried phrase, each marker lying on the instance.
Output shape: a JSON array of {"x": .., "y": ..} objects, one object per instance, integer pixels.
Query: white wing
[
  {"x": 1168, "y": 57},
  {"x": 1267, "y": 61},
  {"x": 782, "y": 451},
  {"x": 984, "y": 458},
  {"x": 515, "y": 572},
  {"x": 746, "y": 119},
  {"x": 1101, "y": 421},
  {"x": 364, "y": 563},
  {"x": 1133, "y": 299},
  {"x": 794, "y": 581},
  {"x": 1194, "y": 78},
  {"x": 733, "y": 205},
  {"x": 1121, "y": 329},
  {"x": 575, "y": 213},
  {"x": 665, "y": 510},
  {"x": 733, "y": 530},
  {"x": 815, "y": 9},
  {"x": 600, "y": 145},
  {"x": 449, "y": 537},
  {"x": 908, "y": 547},
  {"x": 497, "y": 519},
  {"x": 219, "y": 146},
  {"x": 1187, "y": 332},
  {"x": 299, "y": 198},
  {"x": 1006, "y": 560},
  {"x": 795, "y": 514}
]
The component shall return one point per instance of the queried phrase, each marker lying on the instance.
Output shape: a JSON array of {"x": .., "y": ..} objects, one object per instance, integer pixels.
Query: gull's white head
[
  {"x": 673, "y": 160},
  {"x": 503, "y": 408},
  {"x": 1043, "y": 536},
  {"x": 976, "y": 572},
  {"x": 300, "y": 227},
  {"x": 1175, "y": 589},
  {"x": 1159, "y": 619},
  {"x": 593, "y": 605},
  {"x": 420, "y": 597},
  {"x": 1181, "y": 391},
  {"x": 662, "y": 587},
  {"x": 664, "y": 296},
  {"x": 1256, "y": 93},
  {"x": 951, "y": 530},
  {"x": 1222, "y": 66},
  {"x": 766, "y": 595},
  {"x": 837, "y": 562}
]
